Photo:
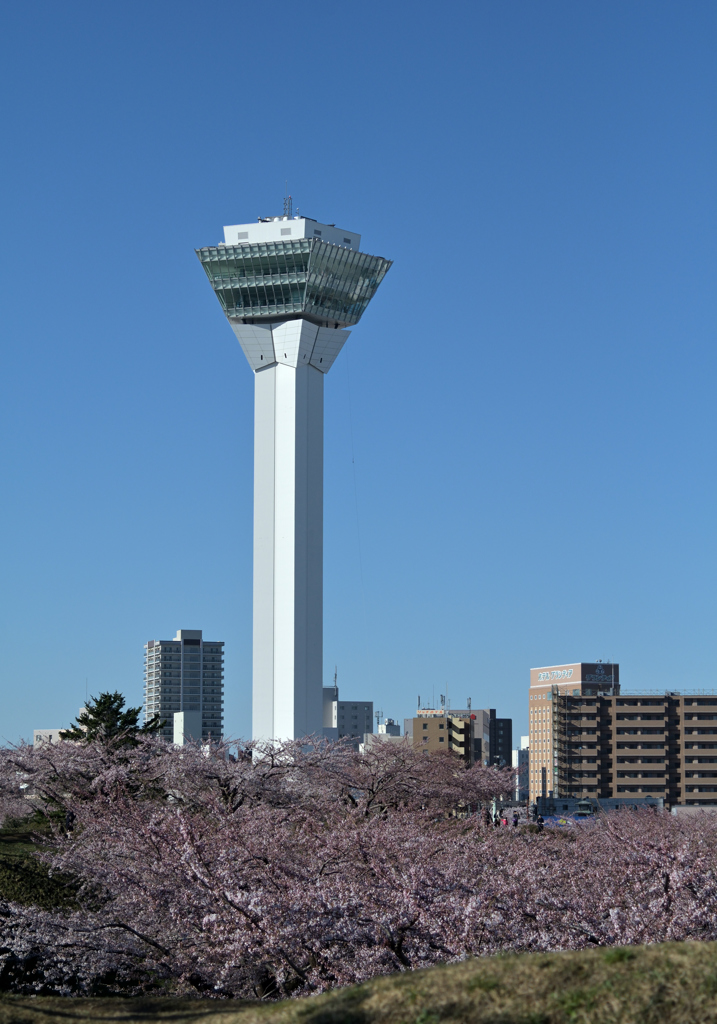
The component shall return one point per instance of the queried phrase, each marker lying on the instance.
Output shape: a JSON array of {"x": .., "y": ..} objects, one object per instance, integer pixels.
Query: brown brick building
[
  {"x": 578, "y": 679},
  {"x": 638, "y": 745},
  {"x": 592, "y": 740}
]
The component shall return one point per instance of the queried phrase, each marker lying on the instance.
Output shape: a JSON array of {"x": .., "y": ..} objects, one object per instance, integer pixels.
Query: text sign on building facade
[{"x": 597, "y": 673}]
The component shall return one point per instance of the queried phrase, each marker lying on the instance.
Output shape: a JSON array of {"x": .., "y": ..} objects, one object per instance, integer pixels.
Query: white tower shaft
[
  {"x": 288, "y": 552},
  {"x": 288, "y": 288}
]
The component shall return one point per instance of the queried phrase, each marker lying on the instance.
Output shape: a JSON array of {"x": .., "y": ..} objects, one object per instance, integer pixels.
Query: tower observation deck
[{"x": 289, "y": 287}]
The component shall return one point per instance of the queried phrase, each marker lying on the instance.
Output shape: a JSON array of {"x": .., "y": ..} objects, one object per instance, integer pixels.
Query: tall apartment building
[
  {"x": 592, "y": 740},
  {"x": 482, "y": 752},
  {"x": 346, "y": 718},
  {"x": 185, "y": 674},
  {"x": 501, "y": 740},
  {"x": 547, "y": 685}
]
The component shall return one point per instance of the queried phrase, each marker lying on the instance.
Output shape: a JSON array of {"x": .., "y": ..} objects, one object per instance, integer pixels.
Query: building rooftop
[{"x": 280, "y": 229}]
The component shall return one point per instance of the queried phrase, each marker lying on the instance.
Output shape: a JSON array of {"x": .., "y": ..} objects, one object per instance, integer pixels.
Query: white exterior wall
[
  {"x": 283, "y": 229},
  {"x": 293, "y": 342},
  {"x": 288, "y": 551},
  {"x": 372, "y": 739},
  {"x": 389, "y": 728},
  {"x": 187, "y": 727},
  {"x": 40, "y": 736},
  {"x": 289, "y": 360},
  {"x": 521, "y": 761},
  {"x": 690, "y": 810},
  {"x": 331, "y": 697}
]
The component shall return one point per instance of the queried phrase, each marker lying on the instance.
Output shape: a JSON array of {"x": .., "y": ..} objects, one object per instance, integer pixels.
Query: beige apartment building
[
  {"x": 466, "y": 732},
  {"x": 589, "y": 739}
]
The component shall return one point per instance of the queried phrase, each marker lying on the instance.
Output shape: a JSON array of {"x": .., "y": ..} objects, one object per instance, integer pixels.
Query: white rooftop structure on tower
[{"x": 281, "y": 229}]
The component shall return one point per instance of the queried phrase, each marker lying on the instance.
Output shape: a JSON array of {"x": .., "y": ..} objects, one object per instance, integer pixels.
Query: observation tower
[{"x": 289, "y": 286}]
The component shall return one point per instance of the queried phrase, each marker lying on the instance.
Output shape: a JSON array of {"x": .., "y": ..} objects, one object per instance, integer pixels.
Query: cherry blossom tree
[{"x": 266, "y": 871}]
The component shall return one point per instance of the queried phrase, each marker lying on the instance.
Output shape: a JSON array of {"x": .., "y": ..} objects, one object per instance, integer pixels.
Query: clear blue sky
[{"x": 529, "y": 400}]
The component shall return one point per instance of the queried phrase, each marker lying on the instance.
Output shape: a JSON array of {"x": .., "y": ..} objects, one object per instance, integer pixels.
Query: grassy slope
[{"x": 670, "y": 984}]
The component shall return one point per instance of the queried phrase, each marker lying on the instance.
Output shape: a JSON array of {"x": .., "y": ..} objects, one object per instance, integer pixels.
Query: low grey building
[
  {"x": 351, "y": 718},
  {"x": 389, "y": 727}
]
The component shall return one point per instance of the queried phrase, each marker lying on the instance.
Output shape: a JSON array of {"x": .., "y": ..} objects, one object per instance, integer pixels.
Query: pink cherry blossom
[{"x": 267, "y": 871}]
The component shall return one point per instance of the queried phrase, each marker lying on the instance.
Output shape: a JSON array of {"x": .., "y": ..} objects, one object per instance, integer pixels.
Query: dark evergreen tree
[{"x": 105, "y": 719}]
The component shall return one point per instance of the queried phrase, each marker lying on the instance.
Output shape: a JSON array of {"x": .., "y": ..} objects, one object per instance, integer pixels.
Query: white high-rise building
[
  {"x": 289, "y": 286},
  {"x": 521, "y": 762},
  {"x": 185, "y": 674}
]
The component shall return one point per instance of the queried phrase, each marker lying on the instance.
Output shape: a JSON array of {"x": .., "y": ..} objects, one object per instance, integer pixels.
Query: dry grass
[{"x": 674, "y": 983}]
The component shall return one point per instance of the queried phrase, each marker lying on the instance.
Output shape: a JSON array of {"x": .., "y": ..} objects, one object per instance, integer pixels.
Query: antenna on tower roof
[{"x": 287, "y": 201}]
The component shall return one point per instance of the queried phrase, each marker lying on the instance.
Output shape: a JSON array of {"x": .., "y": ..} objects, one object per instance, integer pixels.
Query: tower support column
[
  {"x": 289, "y": 288},
  {"x": 288, "y": 552}
]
